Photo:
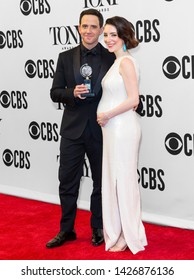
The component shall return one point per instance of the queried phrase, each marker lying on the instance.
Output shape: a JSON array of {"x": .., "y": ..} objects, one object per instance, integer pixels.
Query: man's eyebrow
[{"x": 93, "y": 25}]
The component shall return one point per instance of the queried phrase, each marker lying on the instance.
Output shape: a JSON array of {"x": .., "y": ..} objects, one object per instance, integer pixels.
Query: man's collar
[{"x": 93, "y": 51}]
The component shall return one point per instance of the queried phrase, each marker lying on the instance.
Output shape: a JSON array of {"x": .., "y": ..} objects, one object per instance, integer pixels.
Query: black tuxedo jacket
[{"x": 78, "y": 113}]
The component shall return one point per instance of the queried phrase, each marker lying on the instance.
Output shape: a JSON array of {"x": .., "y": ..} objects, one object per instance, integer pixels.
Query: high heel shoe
[{"x": 117, "y": 249}]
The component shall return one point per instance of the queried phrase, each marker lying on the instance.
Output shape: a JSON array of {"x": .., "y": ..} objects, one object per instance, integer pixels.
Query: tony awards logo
[{"x": 86, "y": 72}]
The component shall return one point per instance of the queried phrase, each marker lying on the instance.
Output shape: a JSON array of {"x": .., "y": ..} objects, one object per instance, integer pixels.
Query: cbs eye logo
[
  {"x": 4, "y": 99},
  {"x": 34, "y": 130},
  {"x": 175, "y": 144},
  {"x": 30, "y": 69},
  {"x": 171, "y": 67},
  {"x": 2, "y": 40},
  {"x": 7, "y": 157},
  {"x": 26, "y": 7}
]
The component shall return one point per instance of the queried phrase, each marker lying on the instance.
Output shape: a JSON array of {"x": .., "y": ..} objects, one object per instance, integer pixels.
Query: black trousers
[{"x": 72, "y": 155}]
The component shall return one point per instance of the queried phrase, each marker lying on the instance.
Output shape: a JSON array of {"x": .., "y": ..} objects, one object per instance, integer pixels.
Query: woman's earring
[{"x": 124, "y": 47}]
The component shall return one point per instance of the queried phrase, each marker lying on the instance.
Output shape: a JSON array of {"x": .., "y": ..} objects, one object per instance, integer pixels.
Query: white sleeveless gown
[{"x": 120, "y": 190}]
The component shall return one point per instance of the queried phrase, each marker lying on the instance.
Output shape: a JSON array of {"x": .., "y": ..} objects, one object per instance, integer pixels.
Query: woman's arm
[{"x": 128, "y": 73}]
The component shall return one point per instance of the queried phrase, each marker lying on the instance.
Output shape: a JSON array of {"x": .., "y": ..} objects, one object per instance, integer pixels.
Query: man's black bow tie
[{"x": 88, "y": 52}]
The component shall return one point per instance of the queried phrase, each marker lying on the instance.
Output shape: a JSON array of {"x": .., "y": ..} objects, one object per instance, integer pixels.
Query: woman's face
[{"x": 111, "y": 39}]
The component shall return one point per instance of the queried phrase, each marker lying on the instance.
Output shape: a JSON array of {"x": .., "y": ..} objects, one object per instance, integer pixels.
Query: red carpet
[{"x": 26, "y": 225}]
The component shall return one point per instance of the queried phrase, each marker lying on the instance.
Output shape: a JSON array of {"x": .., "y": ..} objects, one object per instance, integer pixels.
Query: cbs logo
[
  {"x": 41, "y": 68},
  {"x": 18, "y": 159},
  {"x": 36, "y": 6},
  {"x": 44, "y": 131},
  {"x": 172, "y": 67},
  {"x": 175, "y": 144},
  {"x": 151, "y": 178},
  {"x": 15, "y": 99},
  {"x": 11, "y": 39}
]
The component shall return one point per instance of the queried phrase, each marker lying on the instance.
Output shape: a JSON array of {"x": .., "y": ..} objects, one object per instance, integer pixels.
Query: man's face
[{"x": 90, "y": 31}]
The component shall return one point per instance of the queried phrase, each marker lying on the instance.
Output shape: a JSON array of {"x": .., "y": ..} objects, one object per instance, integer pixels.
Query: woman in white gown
[{"x": 121, "y": 130}]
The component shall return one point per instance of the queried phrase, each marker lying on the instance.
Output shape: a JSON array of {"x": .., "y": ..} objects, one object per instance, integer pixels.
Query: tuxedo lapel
[
  {"x": 76, "y": 65},
  {"x": 103, "y": 69}
]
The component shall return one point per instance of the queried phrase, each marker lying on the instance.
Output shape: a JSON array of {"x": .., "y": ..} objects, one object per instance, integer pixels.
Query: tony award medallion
[{"x": 86, "y": 72}]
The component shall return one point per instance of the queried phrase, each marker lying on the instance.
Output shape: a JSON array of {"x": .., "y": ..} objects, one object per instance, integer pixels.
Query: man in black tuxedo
[{"x": 80, "y": 133}]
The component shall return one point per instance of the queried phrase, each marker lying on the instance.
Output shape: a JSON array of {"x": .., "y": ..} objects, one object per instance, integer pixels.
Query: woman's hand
[{"x": 102, "y": 119}]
